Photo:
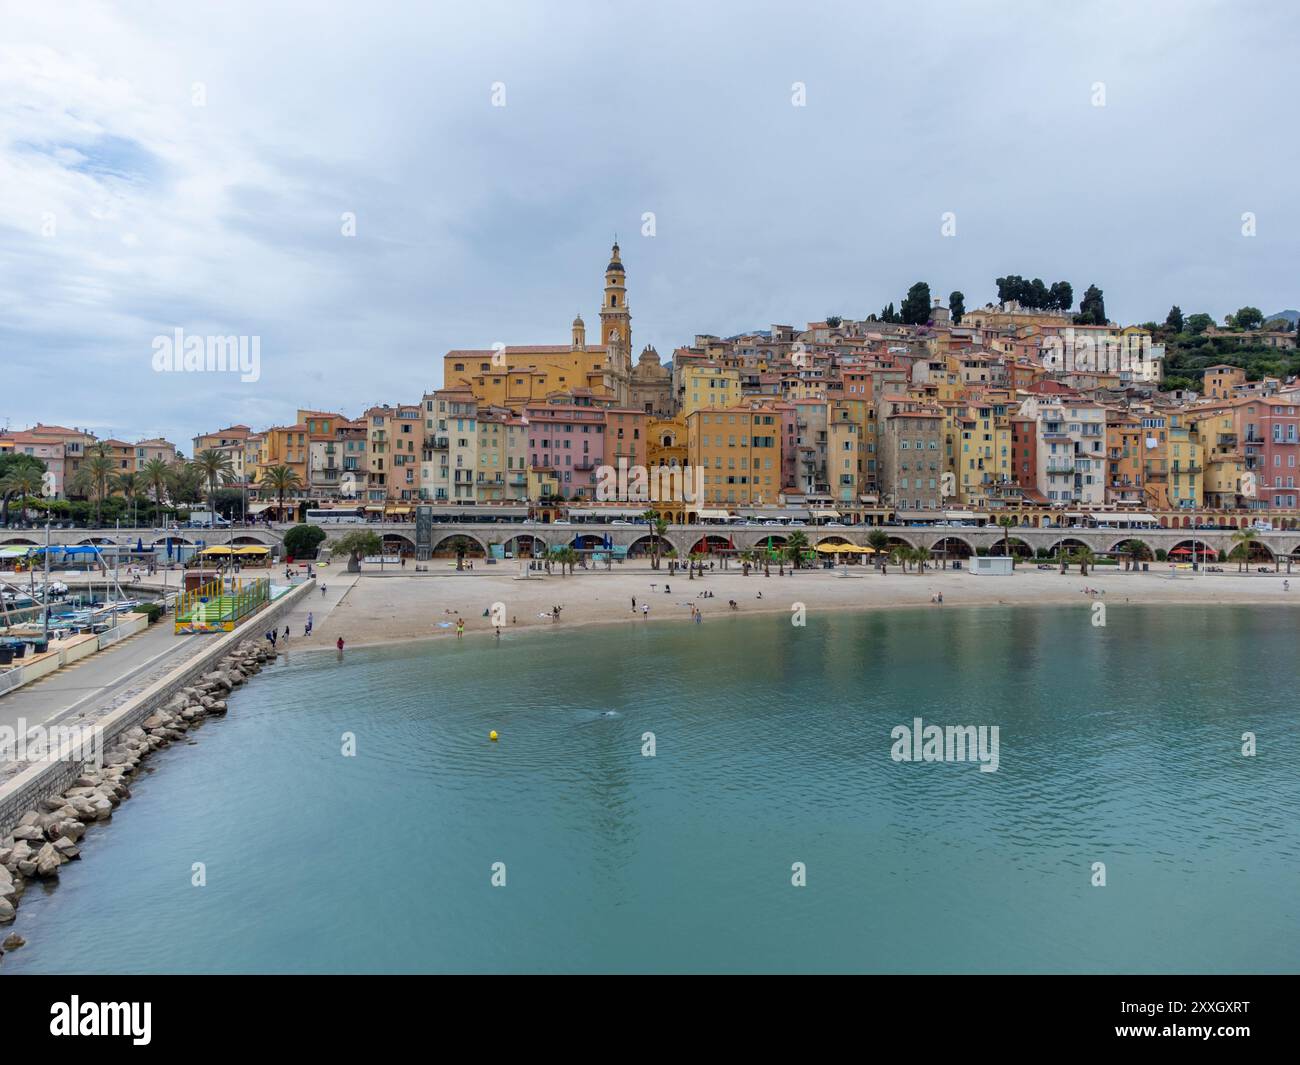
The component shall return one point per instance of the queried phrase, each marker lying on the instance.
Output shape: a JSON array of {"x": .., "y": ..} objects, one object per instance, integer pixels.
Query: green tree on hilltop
[
  {"x": 916, "y": 307},
  {"x": 1092, "y": 308},
  {"x": 1247, "y": 318}
]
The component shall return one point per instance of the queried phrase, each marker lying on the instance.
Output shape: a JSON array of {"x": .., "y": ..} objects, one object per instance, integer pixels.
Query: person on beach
[
  {"x": 286, "y": 632},
  {"x": 339, "y": 645},
  {"x": 273, "y": 644},
  {"x": 307, "y": 628},
  {"x": 322, "y": 591},
  {"x": 634, "y": 604},
  {"x": 645, "y": 611},
  {"x": 460, "y": 628}
]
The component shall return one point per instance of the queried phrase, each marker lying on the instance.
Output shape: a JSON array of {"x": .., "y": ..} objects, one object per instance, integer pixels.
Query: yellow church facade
[{"x": 515, "y": 375}]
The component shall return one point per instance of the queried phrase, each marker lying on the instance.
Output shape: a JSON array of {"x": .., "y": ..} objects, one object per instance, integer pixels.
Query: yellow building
[
  {"x": 283, "y": 445},
  {"x": 978, "y": 453},
  {"x": 1172, "y": 466},
  {"x": 1225, "y": 463},
  {"x": 515, "y": 375},
  {"x": 666, "y": 442},
  {"x": 709, "y": 387},
  {"x": 739, "y": 449},
  {"x": 850, "y": 429}
]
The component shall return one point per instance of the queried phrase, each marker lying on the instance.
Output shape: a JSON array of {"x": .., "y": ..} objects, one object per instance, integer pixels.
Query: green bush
[
  {"x": 152, "y": 610},
  {"x": 302, "y": 541},
  {"x": 1161, "y": 555}
]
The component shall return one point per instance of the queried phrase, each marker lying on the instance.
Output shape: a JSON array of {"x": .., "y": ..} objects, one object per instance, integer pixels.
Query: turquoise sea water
[{"x": 1118, "y": 745}]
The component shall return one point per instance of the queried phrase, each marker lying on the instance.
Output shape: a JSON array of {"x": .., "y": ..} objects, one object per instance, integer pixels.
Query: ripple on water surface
[{"x": 1119, "y": 745}]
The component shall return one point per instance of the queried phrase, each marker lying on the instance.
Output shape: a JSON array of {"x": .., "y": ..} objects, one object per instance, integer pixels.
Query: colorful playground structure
[{"x": 219, "y": 605}]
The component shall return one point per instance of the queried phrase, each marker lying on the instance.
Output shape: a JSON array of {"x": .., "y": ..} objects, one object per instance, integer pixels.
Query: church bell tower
[{"x": 616, "y": 328}]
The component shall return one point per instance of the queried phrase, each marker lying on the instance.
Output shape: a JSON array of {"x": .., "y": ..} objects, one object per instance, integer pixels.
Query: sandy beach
[{"x": 376, "y": 608}]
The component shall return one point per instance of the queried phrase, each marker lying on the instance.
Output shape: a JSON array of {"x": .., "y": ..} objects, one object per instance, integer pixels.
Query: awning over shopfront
[
  {"x": 959, "y": 515},
  {"x": 714, "y": 515},
  {"x": 831, "y": 514}
]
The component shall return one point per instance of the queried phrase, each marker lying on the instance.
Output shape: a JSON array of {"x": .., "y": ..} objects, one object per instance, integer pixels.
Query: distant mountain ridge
[{"x": 1290, "y": 316}]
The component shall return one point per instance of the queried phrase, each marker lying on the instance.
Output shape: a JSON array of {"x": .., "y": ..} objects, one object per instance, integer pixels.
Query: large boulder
[
  {"x": 48, "y": 861},
  {"x": 6, "y": 911}
]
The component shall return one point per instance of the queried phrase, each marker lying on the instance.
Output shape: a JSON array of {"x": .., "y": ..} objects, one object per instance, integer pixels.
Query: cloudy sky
[{"x": 190, "y": 165}]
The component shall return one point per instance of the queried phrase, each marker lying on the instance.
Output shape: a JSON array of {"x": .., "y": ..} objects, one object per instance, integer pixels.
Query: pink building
[{"x": 1270, "y": 438}]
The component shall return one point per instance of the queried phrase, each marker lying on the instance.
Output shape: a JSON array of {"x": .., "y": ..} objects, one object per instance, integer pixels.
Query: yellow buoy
[{"x": 493, "y": 735}]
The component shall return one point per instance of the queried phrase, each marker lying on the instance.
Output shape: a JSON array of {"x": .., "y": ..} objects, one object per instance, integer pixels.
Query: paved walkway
[
  {"x": 337, "y": 585},
  {"x": 96, "y": 684}
]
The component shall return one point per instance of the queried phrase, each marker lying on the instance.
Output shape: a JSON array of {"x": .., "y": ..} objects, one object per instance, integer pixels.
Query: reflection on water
[{"x": 770, "y": 747}]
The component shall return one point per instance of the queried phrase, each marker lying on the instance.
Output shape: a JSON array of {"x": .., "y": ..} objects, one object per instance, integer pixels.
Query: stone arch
[
  {"x": 404, "y": 544},
  {"x": 246, "y": 540},
  {"x": 445, "y": 546},
  {"x": 899, "y": 541},
  {"x": 1019, "y": 548},
  {"x": 1067, "y": 543},
  {"x": 1257, "y": 551},
  {"x": 526, "y": 545},
  {"x": 97, "y": 541},
  {"x": 1192, "y": 550},
  {"x": 952, "y": 546},
  {"x": 643, "y": 547},
  {"x": 832, "y": 539},
  {"x": 710, "y": 542},
  {"x": 1120, "y": 547},
  {"x": 18, "y": 541},
  {"x": 587, "y": 541}
]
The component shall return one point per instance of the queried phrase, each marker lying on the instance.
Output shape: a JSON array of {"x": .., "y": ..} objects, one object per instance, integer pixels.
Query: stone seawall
[{"x": 43, "y": 780}]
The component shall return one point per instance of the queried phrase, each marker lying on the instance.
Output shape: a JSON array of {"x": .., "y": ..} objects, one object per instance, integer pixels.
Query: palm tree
[
  {"x": 184, "y": 482},
  {"x": 215, "y": 468},
  {"x": 659, "y": 527},
  {"x": 282, "y": 479},
  {"x": 795, "y": 547},
  {"x": 153, "y": 477},
  {"x": 878, "y": 539},
  {"x": 129, "y": 485},
  {"x": 921, "y": 556},
  {"x": 746, "y": 560},
  {"x": 1084, "y": 557},
  {"x": 1138, "y": 550},
  {"x": 92, "y": 478},
  {"x": 1007, "y": 522},
  {"x": 23, "y": 476},
  {"x": 1243, "y": 538}
]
